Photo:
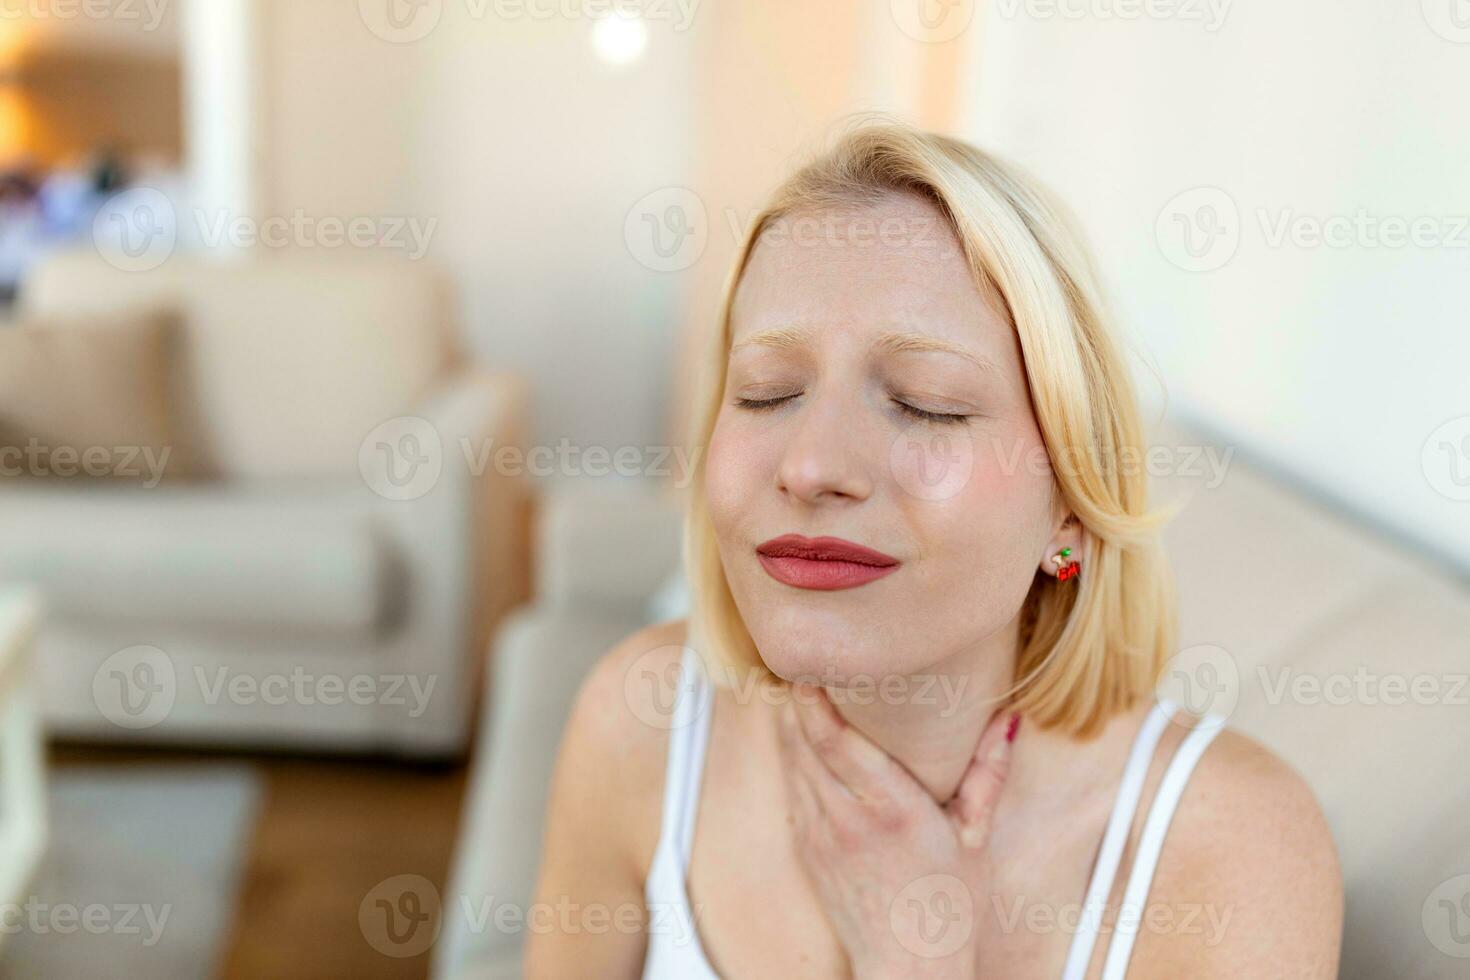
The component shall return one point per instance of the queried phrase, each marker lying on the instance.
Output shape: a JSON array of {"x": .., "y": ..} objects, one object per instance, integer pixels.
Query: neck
[{"x": 933, "y": 727}]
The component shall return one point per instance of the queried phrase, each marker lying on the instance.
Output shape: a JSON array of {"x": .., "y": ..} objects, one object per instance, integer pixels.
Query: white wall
[
  {"x": 529, "y": 152},
  {"x": 219, "y": 46},
  {"x": 1334, "y": 363}
]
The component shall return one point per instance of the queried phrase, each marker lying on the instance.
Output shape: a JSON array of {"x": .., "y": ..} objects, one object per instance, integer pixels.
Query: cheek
[
  {"x": 979, "y": 504},
  {"x": 732, "y": 467}
]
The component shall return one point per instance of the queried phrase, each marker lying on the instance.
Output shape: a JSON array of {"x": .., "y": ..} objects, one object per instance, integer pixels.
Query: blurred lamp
[
  {"x": 14, "y": 118},
  {"x": 619, "y": 40}
]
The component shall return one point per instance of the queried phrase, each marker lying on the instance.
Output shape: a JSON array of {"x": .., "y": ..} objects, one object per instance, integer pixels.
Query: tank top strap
[
  {"x": 689, "y": 726},
  {"x": 1151, "y": 843},
  {"x": 1115, "y": 838}
]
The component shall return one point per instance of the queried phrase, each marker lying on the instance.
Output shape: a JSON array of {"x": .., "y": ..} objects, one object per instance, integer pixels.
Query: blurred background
[{"x": 345, "y": 352}]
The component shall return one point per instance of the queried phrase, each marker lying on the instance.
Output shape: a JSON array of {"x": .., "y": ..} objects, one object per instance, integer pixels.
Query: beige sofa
[
  {"x": 297, "y": 589},
  {"x": 1278, "y": 594}
]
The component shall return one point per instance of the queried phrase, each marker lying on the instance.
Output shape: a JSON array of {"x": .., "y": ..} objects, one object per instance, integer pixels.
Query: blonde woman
[{"x": 916, "y": 733}]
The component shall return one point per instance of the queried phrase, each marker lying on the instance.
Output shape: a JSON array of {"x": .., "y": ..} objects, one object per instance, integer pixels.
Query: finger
[
  {"x": 862, "y": 768},
  {"x": 798, "y": 771},
  {"x": 984, "y": 779},
  {"x": 828, "y": 791}
]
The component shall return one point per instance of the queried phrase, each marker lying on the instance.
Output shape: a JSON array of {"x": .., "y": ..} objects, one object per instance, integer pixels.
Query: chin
[{"x": 798, "y": 641}]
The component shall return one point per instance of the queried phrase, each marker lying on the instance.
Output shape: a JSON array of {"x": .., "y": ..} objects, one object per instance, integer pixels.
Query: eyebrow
[{"x": 793, "y": 338}]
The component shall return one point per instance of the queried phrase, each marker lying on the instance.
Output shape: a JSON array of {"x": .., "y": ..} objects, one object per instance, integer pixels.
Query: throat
[{"x": 934, "y": 729}]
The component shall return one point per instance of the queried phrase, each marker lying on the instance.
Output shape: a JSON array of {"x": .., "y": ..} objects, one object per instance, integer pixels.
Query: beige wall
[
  {"x": 529, "y": 153},
  {"x": 1335, "y": 363}
]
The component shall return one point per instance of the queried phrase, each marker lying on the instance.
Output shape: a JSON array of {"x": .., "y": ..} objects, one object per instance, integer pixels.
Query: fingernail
[{"x": 1015, "y": 723}]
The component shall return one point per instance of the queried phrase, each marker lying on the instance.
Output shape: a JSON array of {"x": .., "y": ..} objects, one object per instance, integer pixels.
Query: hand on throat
[{"x": 934, "y": 723}]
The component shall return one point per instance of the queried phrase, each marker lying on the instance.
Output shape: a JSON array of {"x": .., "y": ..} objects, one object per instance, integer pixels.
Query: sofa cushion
[
  {"x": 287, "y": 360},
  {"x": 1372, "y": 706},
  {"x": 607, "y": 543},
  {"x": 87, "y": 396},
  {"x": 276, "y": 559},
  {"x": 1347, "y": 656}
]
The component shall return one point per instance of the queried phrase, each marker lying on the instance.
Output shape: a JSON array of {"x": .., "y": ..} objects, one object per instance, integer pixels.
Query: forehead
[{"x": 891, "y": 264}]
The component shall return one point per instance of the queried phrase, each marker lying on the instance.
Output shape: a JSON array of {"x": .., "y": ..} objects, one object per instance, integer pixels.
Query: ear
[{"x": 1068, "y": 535}]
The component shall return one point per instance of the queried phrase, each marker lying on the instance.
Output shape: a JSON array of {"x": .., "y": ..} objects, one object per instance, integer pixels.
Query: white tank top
[{"x": 674, "y": 949}]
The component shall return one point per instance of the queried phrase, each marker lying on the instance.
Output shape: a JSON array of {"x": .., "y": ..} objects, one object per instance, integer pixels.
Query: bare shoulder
[
  {"x": 616, "y": 738},
  {"x": 1250, "y": 862},
  {"x": 617, "y": 695},
  {"x": 602, "y": 814}
]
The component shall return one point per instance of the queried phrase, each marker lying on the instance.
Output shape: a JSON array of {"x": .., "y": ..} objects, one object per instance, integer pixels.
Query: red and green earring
[{"x": 1065, "y": 569}]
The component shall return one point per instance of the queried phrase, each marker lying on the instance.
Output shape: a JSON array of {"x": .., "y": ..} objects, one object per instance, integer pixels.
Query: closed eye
[
  {"x": 942, "y": 418},
  {"x": 760, "y": 404}
]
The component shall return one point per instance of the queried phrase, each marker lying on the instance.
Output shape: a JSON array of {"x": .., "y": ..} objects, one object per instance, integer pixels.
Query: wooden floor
[{"x": 328, "y": 831}]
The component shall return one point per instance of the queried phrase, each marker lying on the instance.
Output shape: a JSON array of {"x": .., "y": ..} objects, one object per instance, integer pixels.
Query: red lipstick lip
[
  {"x": 824, "y": 564},
  {"x": 823, "y": 549}
]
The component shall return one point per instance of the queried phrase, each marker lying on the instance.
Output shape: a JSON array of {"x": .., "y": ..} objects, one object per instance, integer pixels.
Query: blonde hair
[{"x": 1090, "y": 647}]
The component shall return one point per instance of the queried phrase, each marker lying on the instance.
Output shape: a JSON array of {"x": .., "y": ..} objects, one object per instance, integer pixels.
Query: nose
[{"x": 823, "y": 460}]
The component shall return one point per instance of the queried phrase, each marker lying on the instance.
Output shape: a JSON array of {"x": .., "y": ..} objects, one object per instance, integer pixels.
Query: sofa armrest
[
  {"x": 608, "y": 545},
  {"x": 460, "y": 529},
  {"x": 482, "y": 412},
  {"x": 541, "y": 657}
]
